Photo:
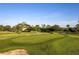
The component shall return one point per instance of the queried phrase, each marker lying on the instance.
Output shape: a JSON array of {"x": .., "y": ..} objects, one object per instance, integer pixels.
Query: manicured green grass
[
  {"x": 33, "y": 39},
  {"x": 40, "y": 43}
]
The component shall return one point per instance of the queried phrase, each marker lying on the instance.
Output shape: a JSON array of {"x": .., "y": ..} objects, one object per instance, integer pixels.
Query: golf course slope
[{"x": 37, "y": 43}]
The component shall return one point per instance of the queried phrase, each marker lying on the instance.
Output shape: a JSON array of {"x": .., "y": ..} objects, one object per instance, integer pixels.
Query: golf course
[{"x": 37, "y": 43}]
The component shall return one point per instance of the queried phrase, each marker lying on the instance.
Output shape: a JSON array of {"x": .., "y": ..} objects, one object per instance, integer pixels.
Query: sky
[{"x": 39, "y": 13}]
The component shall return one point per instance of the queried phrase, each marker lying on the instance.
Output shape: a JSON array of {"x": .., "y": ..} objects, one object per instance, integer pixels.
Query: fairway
[{"x": 37, "y": 43}]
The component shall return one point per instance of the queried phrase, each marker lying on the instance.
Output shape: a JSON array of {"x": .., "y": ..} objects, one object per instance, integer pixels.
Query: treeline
[{"x": 23, "y": 27}]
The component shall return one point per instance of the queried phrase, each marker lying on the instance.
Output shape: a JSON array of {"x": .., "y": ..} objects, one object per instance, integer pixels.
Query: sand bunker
[{"x": 15, "y": 52}]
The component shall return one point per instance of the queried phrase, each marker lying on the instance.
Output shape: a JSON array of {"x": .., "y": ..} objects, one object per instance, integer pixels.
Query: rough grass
[{"x": 40, "y": 43}]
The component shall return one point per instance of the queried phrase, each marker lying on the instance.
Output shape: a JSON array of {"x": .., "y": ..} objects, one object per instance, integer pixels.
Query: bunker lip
[{"x": 16, "y": 52}]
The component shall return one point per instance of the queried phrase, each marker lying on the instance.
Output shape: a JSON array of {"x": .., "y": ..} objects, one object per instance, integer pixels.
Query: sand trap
[{"x": 15, "y": 52}]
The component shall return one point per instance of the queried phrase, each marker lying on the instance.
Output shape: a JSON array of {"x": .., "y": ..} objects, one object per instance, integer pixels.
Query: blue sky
[{"x": 52, "y": 13}]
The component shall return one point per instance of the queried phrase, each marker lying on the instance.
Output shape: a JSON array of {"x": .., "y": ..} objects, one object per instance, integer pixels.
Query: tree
[
  {"x": 68, "y": 26},
  {"x": 72, "y": 30},
  {"x": 49, "y": 28},
  {"x": 14, "y": 29},
  {"x": 37, "y": 28},
  {"x": 1, "y": 27},
  {"x": 7, "y": 28},
  {"x": 23, "y": 27},
  {"x": 43, "y": 28},
  {"x": 77, "y": 27},
  {"x": 56, "y": 27}
]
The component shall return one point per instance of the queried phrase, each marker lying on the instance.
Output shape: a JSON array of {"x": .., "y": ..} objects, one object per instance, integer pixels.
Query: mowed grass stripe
[{"x": 36, "y": 38}]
